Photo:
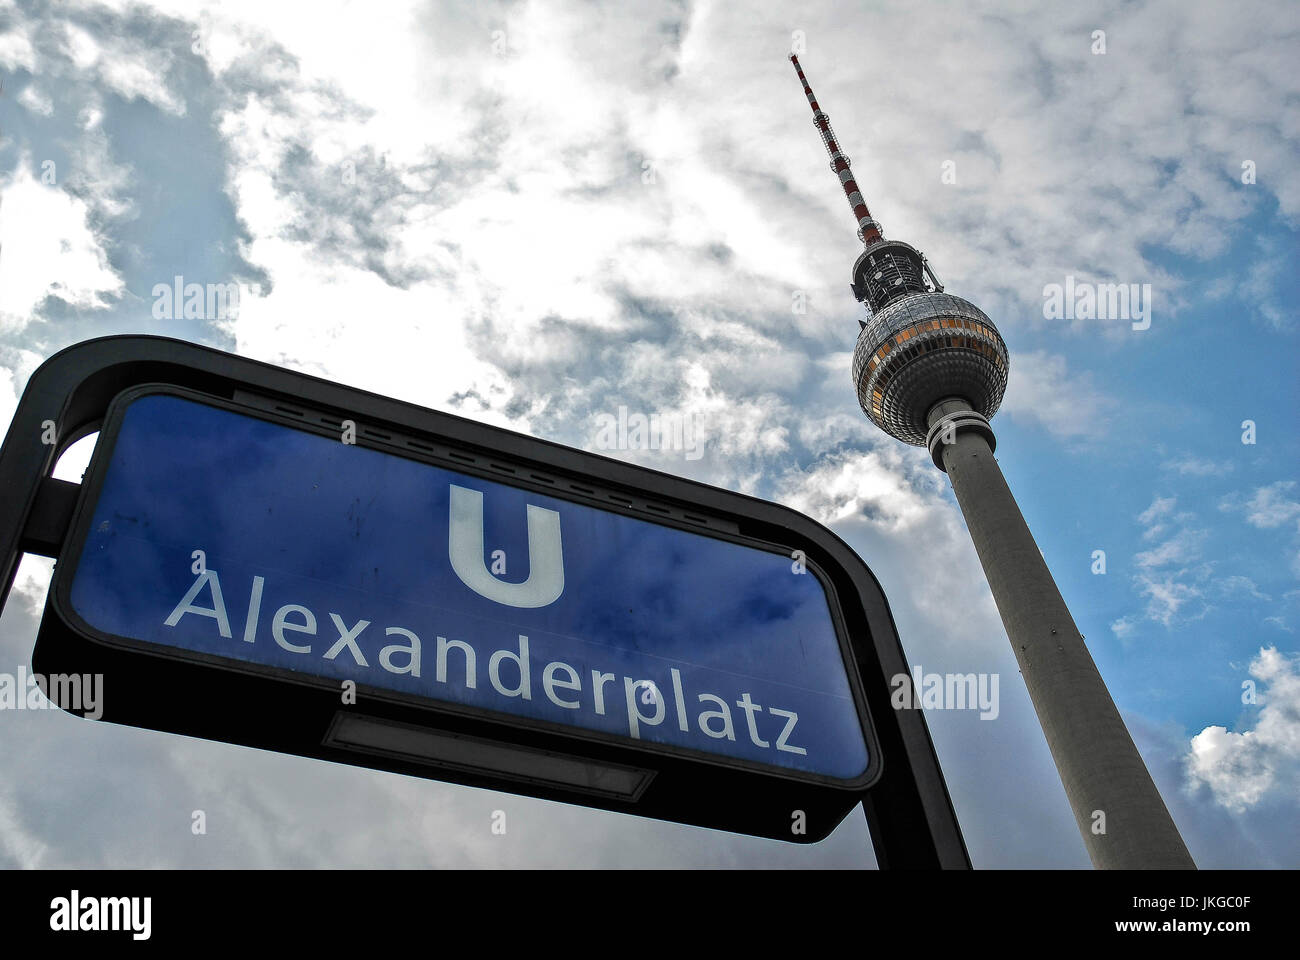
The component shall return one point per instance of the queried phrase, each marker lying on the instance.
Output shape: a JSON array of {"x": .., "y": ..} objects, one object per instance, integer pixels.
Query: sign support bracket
[{"x": 50, "y": 517}]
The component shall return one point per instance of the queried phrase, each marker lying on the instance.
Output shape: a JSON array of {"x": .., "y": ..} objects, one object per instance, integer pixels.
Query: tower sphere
[{"x": 921, "y": 349}]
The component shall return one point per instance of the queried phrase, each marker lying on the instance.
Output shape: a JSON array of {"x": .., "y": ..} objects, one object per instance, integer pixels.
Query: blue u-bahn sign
[
  {"x": 261, "y": 557},
  {"x": 222, "y": 533}
]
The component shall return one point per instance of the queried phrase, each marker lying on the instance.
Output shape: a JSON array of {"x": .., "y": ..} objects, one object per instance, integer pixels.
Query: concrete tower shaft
[{"x": 1105, "y": 780}]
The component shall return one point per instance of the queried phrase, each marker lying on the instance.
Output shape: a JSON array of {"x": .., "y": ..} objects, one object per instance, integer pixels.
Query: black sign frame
[
  {"x": 519, "y": 475},
  {"x": 907, "y": 804}
]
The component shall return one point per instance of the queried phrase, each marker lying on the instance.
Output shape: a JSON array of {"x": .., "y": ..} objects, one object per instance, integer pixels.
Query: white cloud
[
  {"x": 1167, "y": 596},
  {"x": 1171, "y": 574},
  {"x": 1031, "y": 125},
  {"x": 32, "y": 580},
  {"x": 48, "y": 248},
  {"x": 1268, "y": 506},
  {"x": 1263, "y": 282},
  {"x": 1168, "y": 575},
  {"x": 874, "y": 485},
  {"x": 126, "y": 65},
  {"x": 1124, "y": 627},
  {"x": 1040, "y": 390},
  {"x": 36, "y": 100},
  {"x": 1183, "y": 547},
  {"x": 19, "y": 843},
  {"x": 1237, "y": 585},
  {"x": 143, "y": 78},
  {"x": 73, "y": 461},
  {"x": 1244, "y": 769},
  {"x": 344, "y": 320},
  {"x": 8, "y": 395},
  {"x": 1160, "y": 507},
  {"x": 81, "y": 47},
  {"x": 1198, "y": 467},
  {"x": 16, "y": 50},
  {"x": 16, "y": 365}
]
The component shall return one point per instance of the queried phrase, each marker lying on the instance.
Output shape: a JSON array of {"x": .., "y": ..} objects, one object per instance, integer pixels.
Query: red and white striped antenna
[{"x": 868, "y": 228}]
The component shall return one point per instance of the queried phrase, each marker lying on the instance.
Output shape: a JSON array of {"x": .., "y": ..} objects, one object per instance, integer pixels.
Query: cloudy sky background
[{"x": 532, "y": 213}]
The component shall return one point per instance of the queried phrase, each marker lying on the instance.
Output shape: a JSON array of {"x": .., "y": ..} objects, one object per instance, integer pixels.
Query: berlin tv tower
[{"x": 930, "y": 369}]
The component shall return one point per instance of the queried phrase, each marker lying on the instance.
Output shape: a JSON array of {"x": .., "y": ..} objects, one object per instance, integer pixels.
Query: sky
[{"x": 532, "y": 214}]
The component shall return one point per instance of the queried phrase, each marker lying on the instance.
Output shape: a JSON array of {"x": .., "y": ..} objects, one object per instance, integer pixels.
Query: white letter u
[{"x": 545, "y": 580}]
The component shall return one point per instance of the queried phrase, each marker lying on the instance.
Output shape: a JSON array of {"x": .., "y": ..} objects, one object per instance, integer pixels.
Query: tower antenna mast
[{"x": 868, "y": 228}]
